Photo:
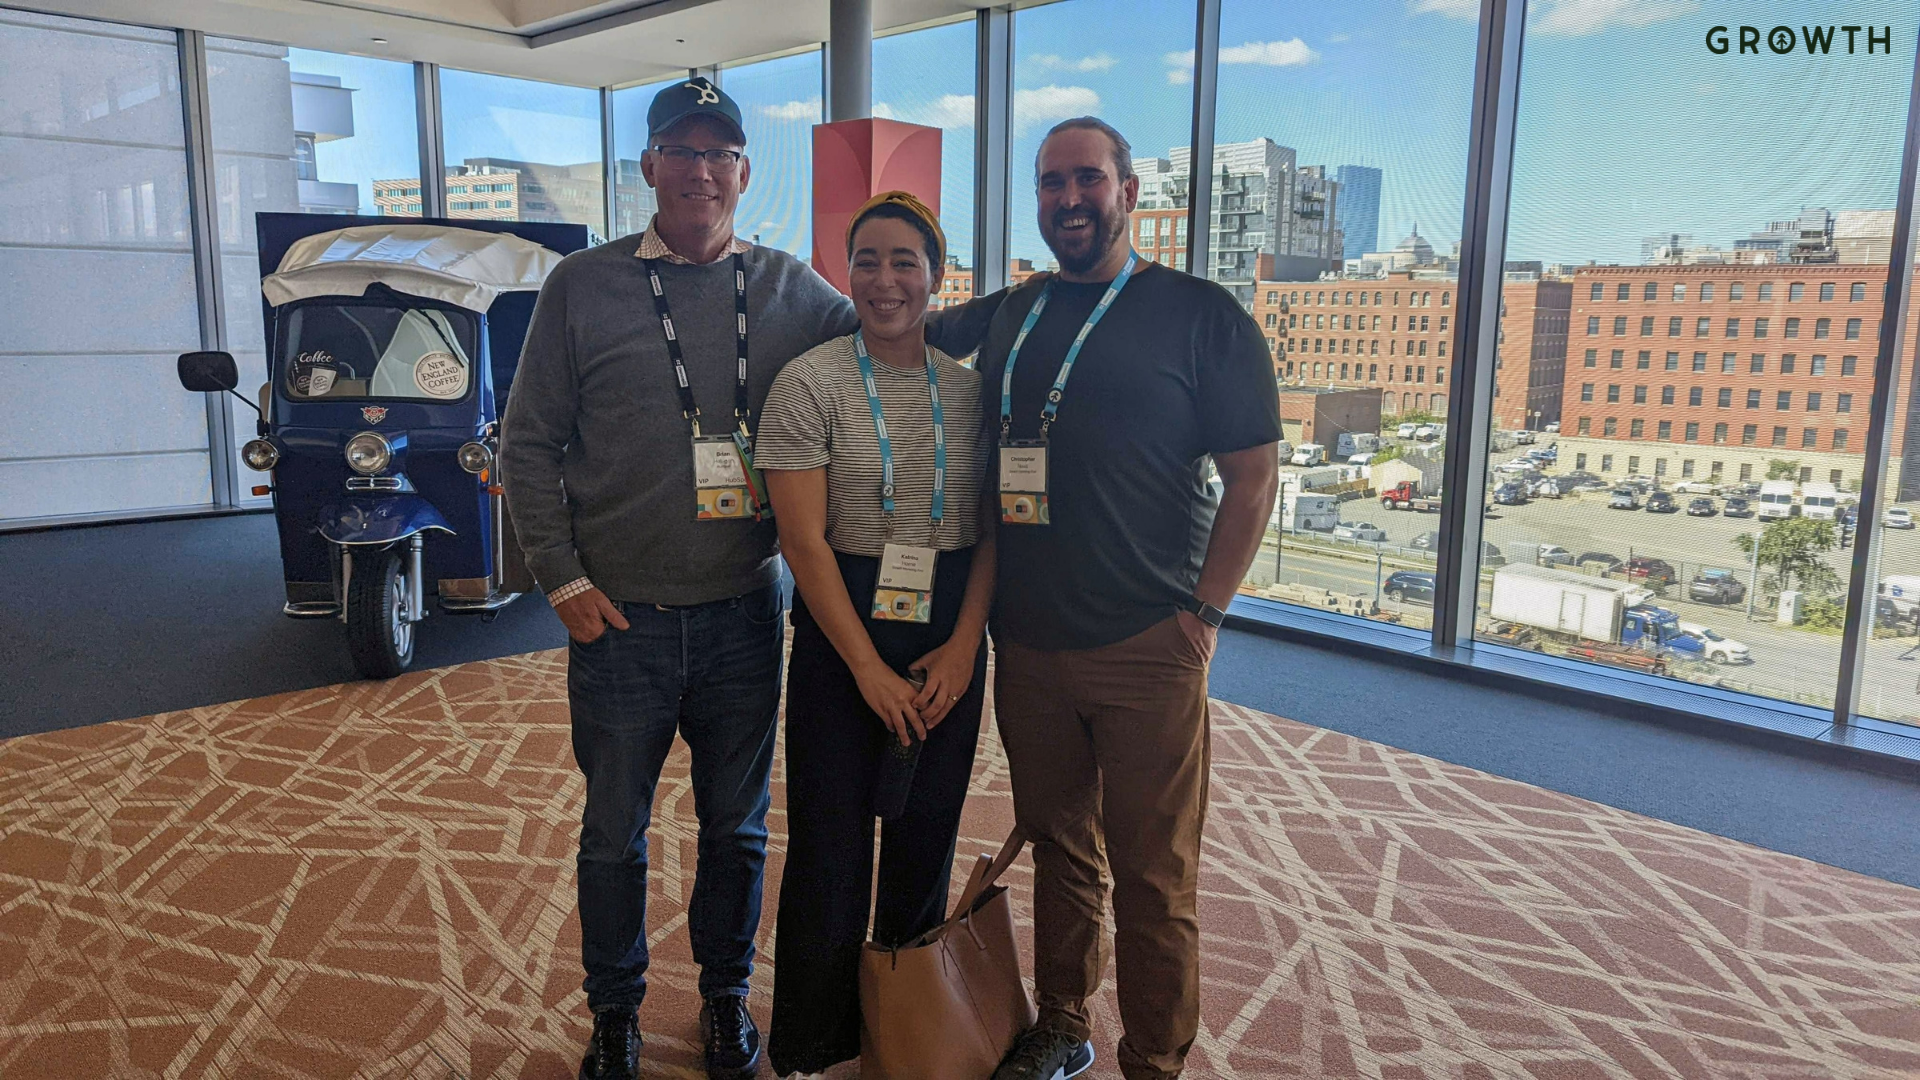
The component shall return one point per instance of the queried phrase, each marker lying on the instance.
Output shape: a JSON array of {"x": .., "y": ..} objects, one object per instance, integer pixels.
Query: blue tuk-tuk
[{"x": 391, "y": 347}]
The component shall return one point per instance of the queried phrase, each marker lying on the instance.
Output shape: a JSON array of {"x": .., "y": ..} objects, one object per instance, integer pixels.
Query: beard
[{"x": 1084, "y": 250}]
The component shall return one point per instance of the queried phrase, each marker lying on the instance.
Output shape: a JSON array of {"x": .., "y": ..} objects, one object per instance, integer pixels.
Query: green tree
[
  {"x": 1779, "y": 469},
  {"x": 1386, "y": 453},
  {"x": 1791, "y": 550}
]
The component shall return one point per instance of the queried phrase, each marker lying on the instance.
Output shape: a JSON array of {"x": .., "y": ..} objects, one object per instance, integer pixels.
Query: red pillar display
[{"x": 854, "y": 160}]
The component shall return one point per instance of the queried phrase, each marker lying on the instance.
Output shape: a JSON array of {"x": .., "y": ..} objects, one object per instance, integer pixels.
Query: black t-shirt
[{"x": 1176, "y": 370}]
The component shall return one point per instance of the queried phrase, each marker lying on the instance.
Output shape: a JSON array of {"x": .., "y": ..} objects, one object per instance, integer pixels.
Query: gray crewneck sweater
[{"x": 595, "y": 457}]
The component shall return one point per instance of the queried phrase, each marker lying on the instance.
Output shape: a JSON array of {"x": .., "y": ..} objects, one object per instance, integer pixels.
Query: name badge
[
  {"x": 1023, "y": 484},
  {"x": 904, "y": 590},
  {"x": 719, "y": 480}
]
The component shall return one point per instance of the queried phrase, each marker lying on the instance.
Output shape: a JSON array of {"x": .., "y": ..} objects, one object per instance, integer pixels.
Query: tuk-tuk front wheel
[{"x": 379, "y": 626}]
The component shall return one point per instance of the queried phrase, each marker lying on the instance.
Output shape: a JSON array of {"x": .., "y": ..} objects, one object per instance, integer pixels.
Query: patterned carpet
[{"x": 375, "y": 880}]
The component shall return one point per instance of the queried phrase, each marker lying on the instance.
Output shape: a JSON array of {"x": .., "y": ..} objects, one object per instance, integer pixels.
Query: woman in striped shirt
[{"x": 873, "y": 453}]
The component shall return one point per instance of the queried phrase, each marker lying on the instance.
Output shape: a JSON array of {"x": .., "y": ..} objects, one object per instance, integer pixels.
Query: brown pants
[{"x": 1108, "y": 749}]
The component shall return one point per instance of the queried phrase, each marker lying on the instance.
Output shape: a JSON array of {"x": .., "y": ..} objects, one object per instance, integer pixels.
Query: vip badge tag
[
  {"x": 904, "y": 590},
  {"x": 1023, "y": 484},
  {"x": 719, "y": 480}
]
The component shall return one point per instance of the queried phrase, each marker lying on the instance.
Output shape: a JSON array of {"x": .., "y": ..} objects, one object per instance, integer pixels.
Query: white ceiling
[{"x": 582, "y": 42}]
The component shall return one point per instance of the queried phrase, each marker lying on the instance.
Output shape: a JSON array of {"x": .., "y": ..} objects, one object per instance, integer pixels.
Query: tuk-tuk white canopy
[{"x": 466, "y": 267}]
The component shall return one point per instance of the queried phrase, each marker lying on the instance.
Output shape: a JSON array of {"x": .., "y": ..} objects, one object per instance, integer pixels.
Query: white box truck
[
  {"x": 1564, "y": 603},
  {"x": 1305, "y": 510}
]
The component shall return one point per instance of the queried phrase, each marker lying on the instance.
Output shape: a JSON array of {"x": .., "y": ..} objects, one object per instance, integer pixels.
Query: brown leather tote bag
[{"x": 949, "y": 1004}]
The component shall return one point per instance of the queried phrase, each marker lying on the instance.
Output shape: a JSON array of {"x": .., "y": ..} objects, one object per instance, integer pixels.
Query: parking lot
[{"x": 1792, "y": 662}]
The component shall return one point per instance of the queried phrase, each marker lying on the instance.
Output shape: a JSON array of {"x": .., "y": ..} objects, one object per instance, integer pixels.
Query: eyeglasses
[{"x": 683, "y": 157}]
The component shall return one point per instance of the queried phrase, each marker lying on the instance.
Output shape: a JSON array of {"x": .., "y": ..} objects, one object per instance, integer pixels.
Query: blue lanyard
[
  {"x": 1059, "y": 390},
  {"x": 886, "y": 445}
]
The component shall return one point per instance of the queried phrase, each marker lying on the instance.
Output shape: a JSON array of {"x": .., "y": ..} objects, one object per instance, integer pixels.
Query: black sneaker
[
  {"x": 614, "y": 1052},
  {"x": 733, "y": 1042},
  {"x": 1046, "y": 1054}
]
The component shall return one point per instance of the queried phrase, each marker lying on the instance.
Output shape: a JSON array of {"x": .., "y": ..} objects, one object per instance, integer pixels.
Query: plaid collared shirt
[{"x": 653, "y": 247}]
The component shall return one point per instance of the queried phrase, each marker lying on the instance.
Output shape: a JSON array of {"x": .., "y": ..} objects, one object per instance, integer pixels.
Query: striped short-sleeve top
[{"x": 817, "y": 415}]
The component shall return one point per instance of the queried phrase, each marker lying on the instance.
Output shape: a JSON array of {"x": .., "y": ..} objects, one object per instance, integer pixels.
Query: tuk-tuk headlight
[
  {"x": 260, "y": 455},
  {"x": 368, "y": 453},
  {"x": 475, "y": 457}
]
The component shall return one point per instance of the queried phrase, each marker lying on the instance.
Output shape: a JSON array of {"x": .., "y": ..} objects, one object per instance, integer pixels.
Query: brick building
[
  {"x": 1393, "y": 334},
  {"x": 1318, "y": 414},
  {"x": 1703, "y": 371},
  {"x": 956, "y": 287},
  {"x": 1161, "y": 236}
]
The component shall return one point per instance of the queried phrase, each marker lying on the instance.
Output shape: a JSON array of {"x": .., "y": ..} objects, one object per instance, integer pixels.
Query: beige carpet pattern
[{"x": 375, "y": 880}]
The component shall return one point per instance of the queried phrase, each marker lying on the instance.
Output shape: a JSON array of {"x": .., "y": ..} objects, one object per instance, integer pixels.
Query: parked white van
[
  {"x": 1776, "y": 500},
  {"x": 1819, "y": 501},
  {"x": 1311, "y": 453}
]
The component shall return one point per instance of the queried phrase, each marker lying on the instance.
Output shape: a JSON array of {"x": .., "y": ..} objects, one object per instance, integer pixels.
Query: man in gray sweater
[{"x": 643, "y": 522}]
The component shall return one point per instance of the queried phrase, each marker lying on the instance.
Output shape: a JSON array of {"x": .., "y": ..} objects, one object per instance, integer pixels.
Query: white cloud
[
  {"x": 1574, "y": 18},
  {"x": 1287, "y": 53},
  {"x": 1046, "y": 104},
  {"x": 950, "y": 111},
  {"x": 1339, "y": 38},
  {"x": 1453, "y": 9},
  {"x": 1269, "y": 53},
  {"x": 1054, "y": 62},
  {"x": 793, "y": 110}
]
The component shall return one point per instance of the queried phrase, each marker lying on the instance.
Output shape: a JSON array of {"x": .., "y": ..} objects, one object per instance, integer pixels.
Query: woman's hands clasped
[
  {"x": 891, "y": 698},
  {"x": 949, "y": 671}
]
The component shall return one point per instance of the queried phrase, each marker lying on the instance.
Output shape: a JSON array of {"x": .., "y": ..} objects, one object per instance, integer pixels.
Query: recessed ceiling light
[
  {"x": 379, "y": 41},
  {"x": 679, "y": 41}
]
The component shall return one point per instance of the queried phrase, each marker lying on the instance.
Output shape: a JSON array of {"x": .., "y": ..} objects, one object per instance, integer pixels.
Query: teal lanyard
[
  {"x": 1059, "y": 390},
  {"x": 886, "y": 444}
]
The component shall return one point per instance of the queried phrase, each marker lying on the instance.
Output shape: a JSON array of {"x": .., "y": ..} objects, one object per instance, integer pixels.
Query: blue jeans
[{"x": 712, "y": 673}]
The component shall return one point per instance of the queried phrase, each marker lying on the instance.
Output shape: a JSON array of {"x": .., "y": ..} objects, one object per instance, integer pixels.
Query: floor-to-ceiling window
[
  {"x": 1721, "y": 216},
  {"x": 634, "y": 201},
  {"x": 927, "y": 77},
  {"x": 96, "y": 273},
  {"x": 1338, "y": 180},
  {"x": 780, "y": 101},
  {"x": 1128, "y": 62},
  {"x": 519, "y": 150},
  {"x": 297, "y": 131}
]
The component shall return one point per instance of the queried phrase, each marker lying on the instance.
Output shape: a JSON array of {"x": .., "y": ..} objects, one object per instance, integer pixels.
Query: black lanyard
[{"x": 688, "y": 408}]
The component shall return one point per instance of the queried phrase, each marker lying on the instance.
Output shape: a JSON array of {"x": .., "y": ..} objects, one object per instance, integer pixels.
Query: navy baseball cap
[{"x": 693, "y": 97}]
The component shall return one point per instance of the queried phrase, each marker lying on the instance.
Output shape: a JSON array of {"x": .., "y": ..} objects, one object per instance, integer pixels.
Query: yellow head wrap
[{"x": 908, "y": 202}]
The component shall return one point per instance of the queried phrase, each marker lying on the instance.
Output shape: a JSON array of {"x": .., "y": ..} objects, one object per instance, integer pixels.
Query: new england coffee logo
[{"x": 1815, "y": 40}]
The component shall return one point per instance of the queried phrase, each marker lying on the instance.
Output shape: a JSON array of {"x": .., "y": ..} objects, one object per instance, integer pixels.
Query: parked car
[
  {"x": 1546, "y": 487},
  {"x": 1654, "y": 572},
  {"x": 1409, "y": 587},
  {"x": 1847, "y": 515},
  {"x": 1641, "y": 481},
  {"x": 1694, "y": 487},
  {"x": 1598, "y": 560},
  {"x": 1702, "y": 507},
  {"x": 1897, "y": 517},
  {"x": 1491, "y": 555},
  {"x": 1426, "y": 433},
  {"x": 1661, "y": 503},
  {"x": 1511, "y": 493},
  {"x": 1737, "y": 506},
  {"x": 1359, "y": 530},
  {"x": 1591, "y": 484},
  {"x": 1518, "y": 466},
  {"x": 1554, "y": 427},
  {"x": 1745, "y": 489},
  {"x": 1716, "y": 646},
  {"x": 1624, "y": 498},
  {"x": 1716, "y": 587},
  {"x": 1426, "y": 541}
]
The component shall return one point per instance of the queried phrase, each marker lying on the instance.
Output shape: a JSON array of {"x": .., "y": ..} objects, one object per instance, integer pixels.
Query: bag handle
[{"x": 985, "y": 873}]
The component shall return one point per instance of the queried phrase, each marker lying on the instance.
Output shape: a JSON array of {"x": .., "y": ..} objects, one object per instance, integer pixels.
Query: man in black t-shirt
[{"x": 1115, "y": 559}]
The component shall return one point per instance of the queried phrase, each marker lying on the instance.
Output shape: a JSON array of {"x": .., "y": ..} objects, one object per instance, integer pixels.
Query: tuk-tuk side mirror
[
  {"x": 213, "y": 372},
  {"x": 208, "y": 372}
]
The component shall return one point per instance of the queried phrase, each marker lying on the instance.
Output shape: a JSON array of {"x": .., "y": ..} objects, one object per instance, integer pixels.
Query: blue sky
[{"x": 1628, "y": 125}]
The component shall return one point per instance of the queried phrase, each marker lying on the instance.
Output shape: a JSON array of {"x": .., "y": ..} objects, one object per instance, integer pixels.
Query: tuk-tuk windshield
[{"x": 376, "y": 350}]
